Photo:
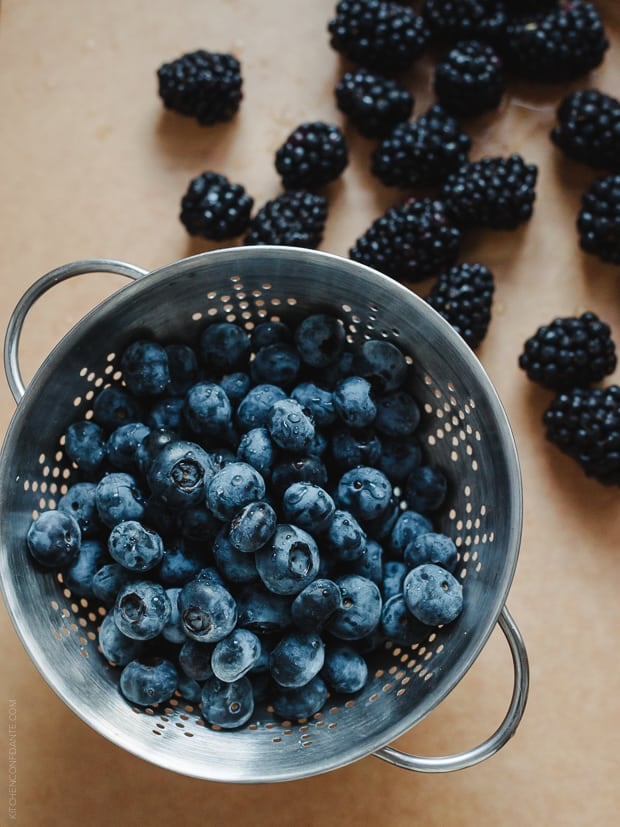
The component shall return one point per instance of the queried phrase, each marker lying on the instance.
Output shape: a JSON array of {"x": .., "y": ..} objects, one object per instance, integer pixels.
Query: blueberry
[
  {"x": 253, "y": 526},
  {"x": 314, "y": 605},
  {"x": 289, "y": 426},
  {"x": 116, "y": 647},
  {"x": 289, "y": 561},
  {"x": 85, "y": 445},
  {"x": 119, "y": 498},
  {"x": 262, "y": 611},
  {"x": 235, "y": 386},
  {"x": 224, "y": 347},
  {"x": 353, "y": 402},
  {"x": 399, "y": 625},
  {"x": 380, "y": 528},
  {"x": 227, "y": 705},
  {"x": 365, "y": 492},
  {"x": 209, "y": 574},
  {"x": 345, "y": 539},
  {"x": 108, "y": 581},
  {"x": 222, "y": 456},
  {"x": 178, "y": 566},
  {"x": 257, "y": 449},
  {"x": 308, "y": 506},
  {"x": 432, "y": 547},
  {"x": 147, "y": 681},
  {"x": 182, "y": 368},
  {"x": 151, "y": 445},
  {"x": 277, "y": 364},
  {"x": 353, "y": 448},
  {"x": 408, "y": 526},
  {"x": 345, "y": 670},
  {"x": 141, "y": 609},
  {"x": 361, "y": 608},
  {"x": 208, "y": 610},
  {"x": 299, "y": 469},
  {"x": 81, "y": 502},
  {"x": 54, "y": 538},
  {"x": 318, "y": 445},
  {"x": 433, "y": 595},
  {"x": 134, "y": 546},
  {"x": 398, "y": 414},
  {"x": 189, "y": 689},
  {"x": 179, "y": 473},
  {"x": 302, "y": 703},
  {"x": 394, "y": 573},
  {"x": 122, "y": 445},
  {"x": 195, "y": 659},
  {"x": 382, "y": 363},
  {"x": 370, "y": 564},
  {"x": 208, "y": 411},
  {"x": 269, "y": 333},
  {"x": 78, "y": 576},
  {"x": 235, "y": 655},
  {"x": 234, "y": 565},
  {"x": 197, "y": 524},
  {"x": 297, "y": 658},
  {"x": 114, "y": 406},
  {"x": 233, "y": 487},
  {"x": 340, "y": 369},
  {"x": 320, "y": 340},
  {"x": 398, "y": 457},
  {"x": 426, "y": 488},
  {"x": 254, "y": 409},
  {"x": 168, "y": 414},
  {"x": 145, "y": 368},
  {"x": 173, "y": 631},
  {"x": 317, "y": 401}
]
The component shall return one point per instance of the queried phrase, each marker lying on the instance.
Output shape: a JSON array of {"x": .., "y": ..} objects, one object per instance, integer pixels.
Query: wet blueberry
[
  {"x": 168, "y": 414},
  {"x": 115, "y": 646},
  {"x": 345, "y": 539},
  {"x": 361, "y": 608},
  {"x": 317, "y": 401},
  {"x": 302, "y": 703},
  {"x": 189, "y": 689},
  {"x": 114, "y": 406},
  {"x": 297, "y": 658},
  {"x": 433, "y": 595},
  {"x": 208, "y": 610},
  {"x": 54, "y": 538},
  {"x": 398, "y": 457},
  {"x": 179, "y": 473},
  {"x": 195, "y": 659},
  {"x": 268, "y": 333},
  {"x": 345, "y": 670},
  {"x": 399, "y": 625},
  {"x": 173, "y": 631},
  {"x": 308, "y": 506},
  {"x": 353, "y": 448},
  {"x": 81, "y": 502},
  {"x": 289, "y": 562},
  {"x": 235, "y": 386},
  {"x": 289, "y": 426},
  {"x": 253, "y": 526},
  {"x": 258, "y": 450},
  {"x": 299, "y": 469},
  {"x": 151, "y": 445},
  {"x": 398, "y": 414},
  {"x": 262, "y": 611},
  {"x": 141, "y": 609},
  {"x": 320, "y": 340},
  {"x": 234, "y": 486},
  {"x": 234, "y": 565},
  {"x": 134, "y": 546},
  {"x": 182, "y": 368},
  {"x": 85, "y": 445},
  {"x": 426, "y": 488},
  {"x": 208, "y": 411},
  {"x": 178, "y": 566},
  {"x": 382, "y": 363},
  {"x": 108, "y": 581},
  {"x": 119, "y": 498},
  {"x": 365, "y": 492},
  {"x": 277, "y": 364},
  {"x": 235, "y": 655},
  {"x": 145, "y": 368},
  {"x": 227, "y": 705},
  {"x": 254, "y": 409},
  {"x": 314, "y": 605},
  {"x": 147, "y": 681},
  {"x": 78, "y": 576},
  {"x": 353, "y": 402},
  {"x": 224, "y": 347},
  {"x": 370, "y": 564},
  {"x": 394, "y": 573},
  {"x": 432, "y": 547},
  {"x": 123, "y": 443},
  {"x": 409, "y": 525}
]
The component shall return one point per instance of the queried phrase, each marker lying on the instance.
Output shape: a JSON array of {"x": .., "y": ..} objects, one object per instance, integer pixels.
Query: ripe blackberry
[
  {"x": 454, "y": 20},
  {"x": 570, "y": 352},
  {"x": 313, "y": 155},
  {"x": 411, "y": 241},
  {"x": 585, "y": 424},
  {"x": 214, "y": 208},
  {"x": 498, "y": 193},
  {"x": 557, "y": 45},
  {"x": 469, "y": 79},
  {"x": 383, "y": 36},
  {"x": 463, "y": 295},
  {"x": 294, "y": 219},
  {"x": 598, "y": 223},
  {"x": 203, "y": 85},
  {"x": 373, "y": 103},
  {"x": 588, "y": 128},
  {"x": 421, "y": 152}
]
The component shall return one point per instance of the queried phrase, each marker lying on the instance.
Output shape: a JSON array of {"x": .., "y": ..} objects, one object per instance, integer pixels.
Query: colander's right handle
[
  {"x": 35, "y": 291},
  {"x": 505, "y": 731}
]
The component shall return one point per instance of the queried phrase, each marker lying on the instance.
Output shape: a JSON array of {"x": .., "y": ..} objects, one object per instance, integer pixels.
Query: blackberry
[
  {"x": 373, "y": 103},
  {"x": 454, "y": 20},
  {"x": 203, "y": 85},
  {"x": 313, "y": 155},
  {"x": 588, "y": 128},
  {"x": 557, "y": 45},
  {"x": 584, "y": 423},
  {"x": 598, "y": 223},
  {"x": 463, "y": 295},
  {"x": 516, "y": 7},
  {"x": 214, "y": 208},
  {"x": 498, "y": 193},
  {"x": 383, "y": 36},
  {"x": 469, "y": 79},
  {"x": 421, "y": 152},
  {"x": 295, "y": 219},
  {"x": 411, "y": 241},
  {"x": 570, "y": 352}
]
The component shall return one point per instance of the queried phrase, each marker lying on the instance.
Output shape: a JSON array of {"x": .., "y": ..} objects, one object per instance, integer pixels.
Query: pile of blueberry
[{"x": 256, "y": 515}]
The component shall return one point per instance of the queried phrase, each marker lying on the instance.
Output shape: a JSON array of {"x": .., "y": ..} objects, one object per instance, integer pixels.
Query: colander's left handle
[{"x": 35, "y": 291}]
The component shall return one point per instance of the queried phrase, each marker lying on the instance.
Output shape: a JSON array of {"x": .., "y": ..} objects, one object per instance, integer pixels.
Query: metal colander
[{"x": 464, "y": 430}]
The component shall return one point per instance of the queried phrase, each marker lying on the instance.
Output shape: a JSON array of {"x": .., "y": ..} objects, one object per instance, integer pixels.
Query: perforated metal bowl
[{"x": 465, "y": 432}]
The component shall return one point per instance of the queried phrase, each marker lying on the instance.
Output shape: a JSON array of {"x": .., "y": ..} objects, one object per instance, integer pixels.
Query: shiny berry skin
[
  {"x": 257, "y": 449},
  {"x": 253, "y": 526},
  {"x": 301, "y": 703},
  {"x": 365, "y": 492},
  {"x": 182, "y": 368},
  {"x": 81, "y": 502},
  {"x": 53, "y": 539},
  {"x": 290, "y": 427},
  {"x": 227, "y": 705},
  {"x": 314, "y": 605},
  {"x": 135, "y": 547},
  {"x": 408, "y": 526},
  {"x": 145, "y": 368},
  {"x": 398, "y": 414},
  {"x": 308, "y": 506},
  {"x": 432, "y": 547},
  {"x": 234, "y": 565},
  {"x": 119, "y": 498},
  {"x": 254, "y": 409},
  {"x": 297, "y": 658},
  {"x": 195, "y": 659},
  {"x": 235, "y": 655},
  {"x": 85, "y": 444},
  {"x": 179, "y": 473},
  {"x": 433, "y": 595},
  {"x": 114, "y": 406},
  {"x": 276, "y": 364},
  {"x": 115, "y": 646},
  {"x": 399, "y": 625},
  {"x": 427, "y": 488},
  {"x": 78, "y": 575},
  {"x": 207, "y": 409},
  {"x": 208, "y": 610},
  {"x": 233, "y": 487},
  {"x": 320, "y": 340},
  {"x": 317, "y": 401},
  {"x": 142, "y": 609},
  {"x": 224, "y": 347},
  {"x": 353, "y": 402},
  {"x": 148, "y": 681},
  {"x": 289, "y": 562},
  {"x": 344, "y": 670},
  {"x": 361, "y": 608}
]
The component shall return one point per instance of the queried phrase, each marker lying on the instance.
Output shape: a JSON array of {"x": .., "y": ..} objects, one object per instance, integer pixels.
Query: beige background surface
[{"x": 91, "y": 165}]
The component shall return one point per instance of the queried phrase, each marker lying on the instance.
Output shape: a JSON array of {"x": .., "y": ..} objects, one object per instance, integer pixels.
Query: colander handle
[
  {"x": 505, "y": 731},
  {"x": 35, "y": 291}
]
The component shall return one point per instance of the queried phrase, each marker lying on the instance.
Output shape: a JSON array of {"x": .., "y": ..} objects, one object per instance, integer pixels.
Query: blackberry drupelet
[
  {"x": 421, "y": 152},
  {"x": 469, "y": 79},
  {"x": 204, "y": 85},
  {"x": 314, "y": 154},
  {"x": 383, "y": 36},
  {"x": 584, "y": 423},
  {"x": 454, "y": 20},
  {"x": 570, "y": 352},
  {"x": 588, "y": 128},
  {"x": 373, "y": 103},
  {"x": 214, "y": 208},
  {"x": 598, "y": 223},
  {"x": 555, "y": 45},
  {"x": 296, "y": 219},
  {"x": 463, "y": 295},
  {"x": 411, "y": 241},
  {"x": 498, "y": 193}
]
